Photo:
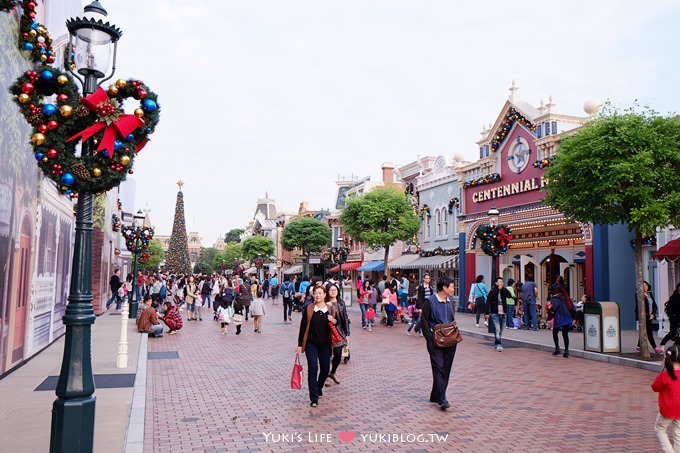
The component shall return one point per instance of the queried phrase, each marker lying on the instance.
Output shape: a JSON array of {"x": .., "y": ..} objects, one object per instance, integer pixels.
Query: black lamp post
[
  {"x": 338, "y": 255},
  {"x": 73, "y": 411},
  {"x": 137, "y": 220},
  {"x": 258, "y": 264},
  {"x": 493, "y": 214}
]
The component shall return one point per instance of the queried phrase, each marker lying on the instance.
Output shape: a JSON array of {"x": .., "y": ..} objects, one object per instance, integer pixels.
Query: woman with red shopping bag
[{"x": 314, "y": 340}]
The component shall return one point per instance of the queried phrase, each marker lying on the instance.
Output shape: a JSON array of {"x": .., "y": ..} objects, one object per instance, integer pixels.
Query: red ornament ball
[
  {"x": 52, "y": 125},
  {"x": 62, "y": 97},
  {"x": 52, "y": 153},
  {"x": 27, "y": 87},
  {"x": 42, "y": 128}
]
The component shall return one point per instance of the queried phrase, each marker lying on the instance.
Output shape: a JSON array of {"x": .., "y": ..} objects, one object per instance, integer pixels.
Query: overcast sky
[{"x": 283, "y": 96}]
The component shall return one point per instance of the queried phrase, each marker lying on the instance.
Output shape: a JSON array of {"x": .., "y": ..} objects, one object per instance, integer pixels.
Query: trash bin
[{"x": 602, "y": 327}]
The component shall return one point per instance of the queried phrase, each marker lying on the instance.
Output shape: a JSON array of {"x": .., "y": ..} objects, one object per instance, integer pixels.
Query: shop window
[{"x": 438, "y": 223}]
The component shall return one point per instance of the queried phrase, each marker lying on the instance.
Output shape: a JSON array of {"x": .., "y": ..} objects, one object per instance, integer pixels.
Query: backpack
[
  {"x": 287, "y": 291},
  {"x": 162, "y": 293}
]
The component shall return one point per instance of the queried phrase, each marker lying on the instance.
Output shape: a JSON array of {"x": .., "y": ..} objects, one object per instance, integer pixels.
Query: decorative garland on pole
[
  {"x": 495, "y": 240},
  {"x": 64, "y": 118}
]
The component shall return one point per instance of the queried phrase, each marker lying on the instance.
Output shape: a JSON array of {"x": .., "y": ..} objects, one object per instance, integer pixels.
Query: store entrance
[{"x": 554, "y": 266}]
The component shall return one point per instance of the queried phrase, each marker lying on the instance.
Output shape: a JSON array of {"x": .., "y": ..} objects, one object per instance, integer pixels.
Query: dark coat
[
  {"x": 653, "y": 310},
  {"x": 420, "y": 298},
  {"x": 492, "y": 301}
]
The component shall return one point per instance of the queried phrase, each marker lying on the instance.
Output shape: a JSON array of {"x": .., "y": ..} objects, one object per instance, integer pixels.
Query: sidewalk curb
[
  {"x": 134, "y": 437},
  {"x": 588, "y": 355}
]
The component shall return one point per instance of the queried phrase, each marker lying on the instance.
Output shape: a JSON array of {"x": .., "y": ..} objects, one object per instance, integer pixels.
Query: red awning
[
  {"x": 348, "y": 266},
  {"x": 669, "y": 252}
]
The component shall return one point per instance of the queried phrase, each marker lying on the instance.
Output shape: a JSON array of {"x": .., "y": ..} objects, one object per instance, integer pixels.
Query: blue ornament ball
[
  {"x": 34, "y": 25},
  {"x": 47, "y": 75},
  {"x": 149, "y": 105},
  {"x": 49, "y": 109},
  {"x": 130, "y": 137},
  {"x": 117, "y": 145},
  {"x": 28, "y": 46},
  {"x": 105, "y": 153},
  {"x": 39, "y": 156},
  {"x": 68, "y": 179}
]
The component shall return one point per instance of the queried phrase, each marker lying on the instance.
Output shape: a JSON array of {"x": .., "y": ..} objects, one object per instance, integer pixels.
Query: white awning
[
  {"x": 433, "y": 262},
  {"x": 297, "y": 269},
  {"x": 250, "y": 270},
  {"x": 402, "y": 261}
]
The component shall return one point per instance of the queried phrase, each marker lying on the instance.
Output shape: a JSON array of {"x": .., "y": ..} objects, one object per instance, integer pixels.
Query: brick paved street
[{"x": 227, "y": 394}]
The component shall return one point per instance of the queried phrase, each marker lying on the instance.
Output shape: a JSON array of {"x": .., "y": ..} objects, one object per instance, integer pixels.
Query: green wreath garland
[
  {"x": 495, "y": 240},
  {"x": 58, "y": 124},
  {"x": 33, "y": 36}
]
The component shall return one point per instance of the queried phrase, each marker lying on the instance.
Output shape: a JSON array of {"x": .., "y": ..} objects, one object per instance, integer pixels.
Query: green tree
[
  {"x": 157, "y": 255},
  {"x": 206, "y": 260},
  {"x": 626, "y": 167},
  {"x": 258, "y": 245},
  {"x": 231, "y": 254},
  {"x": 306, "y": 234},
  {"x": 233, "y": 235},
  {"x": 380, "y": 218}
]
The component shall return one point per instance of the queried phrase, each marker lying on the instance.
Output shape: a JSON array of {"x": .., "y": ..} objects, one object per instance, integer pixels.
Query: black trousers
[
  {"x": 287, "y": 308},
  {"x": 337, "y": 358},
  {"x": 318, "y": 364},
  {"x": 565, "y": 337},
  {"x": 441, "y": 361}
]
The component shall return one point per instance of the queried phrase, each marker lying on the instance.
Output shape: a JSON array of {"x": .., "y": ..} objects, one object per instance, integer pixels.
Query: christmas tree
[{"x": 177, "y": 257}]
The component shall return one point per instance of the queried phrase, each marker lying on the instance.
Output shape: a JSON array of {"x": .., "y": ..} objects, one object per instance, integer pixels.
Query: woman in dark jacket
[
  {"x": 246, "y": 296},
  {"x": 315, "y": 341},
  {"x": 337, "y": 309},
  {"x": 652, "y": 311},
  {"x": 563, "y": 320},
  {"x": 438, "y": 309},
  {"x": 673, "y": 313}
]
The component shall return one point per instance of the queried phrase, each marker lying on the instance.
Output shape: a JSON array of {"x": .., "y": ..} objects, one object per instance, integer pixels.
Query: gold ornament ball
[
  {"x": 42, "y": 30},
  {"x": 43, "y": 57},
  {"x": 113, "y": 90},
  {"x": 24, "y": 98},
  {"x": 120, "y": 83},
  {"x": 45, "y": 159},
  {"x": 38, "y": 139},
  {"x": 124, "y": 160},
  {"x": 66, "y": 111},
  {"x": 139, "y": 113},
  {"x": 97, "y": 172},
  {"x": 62, "y": 79},
  {"x": 32, "y": 33}
]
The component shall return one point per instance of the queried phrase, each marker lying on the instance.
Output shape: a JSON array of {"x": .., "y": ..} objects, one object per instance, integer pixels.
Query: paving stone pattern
[{"x": 232, "y": 394}]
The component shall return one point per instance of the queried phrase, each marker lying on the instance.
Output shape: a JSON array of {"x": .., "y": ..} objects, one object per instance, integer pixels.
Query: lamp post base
[{"x": 72, "y": 423}]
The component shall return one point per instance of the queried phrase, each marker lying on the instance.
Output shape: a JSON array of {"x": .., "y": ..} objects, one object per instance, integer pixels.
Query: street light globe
[
  {"x": 493, "y": 214},
  {"x": 90, "y": 40}
]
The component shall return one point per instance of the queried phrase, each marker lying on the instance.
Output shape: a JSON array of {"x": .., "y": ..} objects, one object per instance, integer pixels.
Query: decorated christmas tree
[{"x": 177, "y": 257}]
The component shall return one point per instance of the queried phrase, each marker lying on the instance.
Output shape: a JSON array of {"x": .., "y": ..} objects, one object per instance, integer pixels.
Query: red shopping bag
[{"x": 296, "y": 375}]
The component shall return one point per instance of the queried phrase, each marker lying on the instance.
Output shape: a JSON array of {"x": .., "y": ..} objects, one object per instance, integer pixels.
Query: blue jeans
[
  {"x": 318, "y": 367},
  {"x": 403, "y": 299},
  {"x": 363, "y": 308},
  {"x": 414, "y": 321},
  {"x": 157, "y": 330},
  {"x": 390, "y": 317},
  {"x": 511, "y": 314},
  {"x": 498, "y": 323},
  {"x": 530, "y": 315}
]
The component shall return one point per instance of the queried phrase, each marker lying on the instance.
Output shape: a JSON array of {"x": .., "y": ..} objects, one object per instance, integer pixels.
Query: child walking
[
  {"x": 238, "y": 314},
  {"x": 668, "y": 387},
  {"x": 224, "y": 315},
  {"x": 414, "y": 314},
  {"x": 370, "y": 317}
]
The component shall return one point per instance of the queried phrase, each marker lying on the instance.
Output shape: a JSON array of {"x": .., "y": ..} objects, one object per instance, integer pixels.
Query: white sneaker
[
  {"x": 408, "y": 333},
  {"x": 477, "y": 325},
  {"x": 499, "y": 348},
  {"x": 486, "y": 323}
]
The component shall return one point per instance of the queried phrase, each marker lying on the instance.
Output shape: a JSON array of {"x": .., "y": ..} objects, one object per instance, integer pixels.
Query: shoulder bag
[
  {"x": 296, "y": 375},
  {"x": 446, "y": 335}
]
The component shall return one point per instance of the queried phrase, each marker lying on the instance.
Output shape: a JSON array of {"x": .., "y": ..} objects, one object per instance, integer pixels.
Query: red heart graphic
[{"x": 347, "y": 436}]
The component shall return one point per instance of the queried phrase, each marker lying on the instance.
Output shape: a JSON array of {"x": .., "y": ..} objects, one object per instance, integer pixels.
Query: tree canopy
[
  {"x": 231, "y": 254},
  {"x": 307, "y": 234},
  {"x": 233, "y": 235},
  {"x": 380, "y": 218},
  {"x": 258, "y": 245},
  {"x": 157, "y": 255},
  {"x": 621, "y": 168}
]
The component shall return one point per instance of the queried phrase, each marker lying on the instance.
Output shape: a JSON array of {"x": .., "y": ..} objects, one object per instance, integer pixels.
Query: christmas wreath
[
  {"x": 495, "y": 240},
  {"x": 132, "y": 234},
  {"x": 453, "y": 203},
  {"x": 64, "y": 118},
  {"x": 425, "y": 211},
  {"x": 34, "y": 37}
]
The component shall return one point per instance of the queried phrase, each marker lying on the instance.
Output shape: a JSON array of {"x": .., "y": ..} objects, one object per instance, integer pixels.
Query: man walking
[
  {"x": 529, "y": 293},
  {"x": 288, "y": 293},
  {"x": 114, "y": 284},
  {"x": 497, "y": 309}
]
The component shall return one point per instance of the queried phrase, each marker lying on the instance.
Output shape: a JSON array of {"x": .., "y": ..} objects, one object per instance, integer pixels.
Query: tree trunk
[
  {"x": 642, "y": 312},
  {"x": 387, "y": 254}
]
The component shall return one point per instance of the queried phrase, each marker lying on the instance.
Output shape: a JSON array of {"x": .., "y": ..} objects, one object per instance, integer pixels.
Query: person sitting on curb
[{"x": 148, "y": 320}]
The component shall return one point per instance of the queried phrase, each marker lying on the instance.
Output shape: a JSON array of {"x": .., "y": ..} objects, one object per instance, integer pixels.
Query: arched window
[
  {"x": 445, "y": 223},
  {"x": 438, "y": 223},
  {"x": 427, "y": 226}
]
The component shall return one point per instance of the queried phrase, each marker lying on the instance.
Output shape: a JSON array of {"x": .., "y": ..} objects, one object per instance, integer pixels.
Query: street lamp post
[
  {"x": 338, "y": 255},
  {"x": 493, "y": 214},
  {"x": 73, "y": 411},
  {"x": 136, "y": 221},
  {"x": 258, "y": 264}
]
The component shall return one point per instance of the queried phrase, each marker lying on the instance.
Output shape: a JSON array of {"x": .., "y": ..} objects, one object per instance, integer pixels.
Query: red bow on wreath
[
  {"x": 98, "y": 102},
  {"x": 502, "y": 237}
]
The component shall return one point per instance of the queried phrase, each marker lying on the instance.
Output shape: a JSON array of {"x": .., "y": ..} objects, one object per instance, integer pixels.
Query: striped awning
[
  {"x": 297, "y": 269},
  {"x": 434, "y": 262},
  {"x": 402, "y": 261}
]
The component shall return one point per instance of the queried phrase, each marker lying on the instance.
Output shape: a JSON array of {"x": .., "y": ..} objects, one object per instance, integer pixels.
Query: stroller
[{"x": 297, "y": 303}]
